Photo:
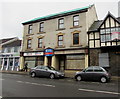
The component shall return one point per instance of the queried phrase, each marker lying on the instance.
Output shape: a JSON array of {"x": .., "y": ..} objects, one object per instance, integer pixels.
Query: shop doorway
[
  {"x": 49, "y": 60},
  {"x": 62, "y": 63}
]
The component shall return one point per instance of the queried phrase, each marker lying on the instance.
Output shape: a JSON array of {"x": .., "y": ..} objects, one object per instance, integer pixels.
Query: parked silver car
[
  {"x": 46, "y": 71},
  {"x": 94, "y": 73}
]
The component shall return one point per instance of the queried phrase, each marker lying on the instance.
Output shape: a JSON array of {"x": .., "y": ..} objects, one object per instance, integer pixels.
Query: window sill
[
  {"x": 60, "y": 29},
  {"x": 75, "y": 27},
  {"x": 29, "y": 49},
  {"x": 76, "y": 46},
  {"x": 29, "y": 34},
  {"x": 41, "y": 32},
  {"x": 39, "y": 48},
  {"x": 60, "y": 47}
]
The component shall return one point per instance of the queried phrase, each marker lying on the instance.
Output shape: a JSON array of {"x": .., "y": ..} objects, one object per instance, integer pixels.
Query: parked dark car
[
  {"x": 93, "y": 73},
  {"x": 45, "y": 71}
]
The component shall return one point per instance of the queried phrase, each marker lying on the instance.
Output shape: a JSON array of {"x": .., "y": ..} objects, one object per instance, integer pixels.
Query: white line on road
[
  {"x": 36, "y": 84},
  {"x": 20, "y": 81},
  {"x": 107, "y": 92}
]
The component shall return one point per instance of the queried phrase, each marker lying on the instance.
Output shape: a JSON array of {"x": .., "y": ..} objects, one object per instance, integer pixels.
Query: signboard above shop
[
  {"x": 34, "y": 54},
  {"x": 49, "y": 52}
]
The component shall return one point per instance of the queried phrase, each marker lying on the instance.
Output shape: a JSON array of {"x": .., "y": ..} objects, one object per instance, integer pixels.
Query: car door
[
  {"x": 88, "y": 74},
  {"x": 38, "y": 71},
  {"x": 45, "y": 71},
  {"x": 97, "y": 73}
]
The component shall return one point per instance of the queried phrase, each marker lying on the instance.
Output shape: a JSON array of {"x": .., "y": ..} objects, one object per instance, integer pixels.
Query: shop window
[
  {"x": 76, "y": 20},
  {"x": 60, "y": 40},
  {"x": 75, "y": 62},
  {"x": 61, "y": 23},
  {"x": 75, "y": 38}
]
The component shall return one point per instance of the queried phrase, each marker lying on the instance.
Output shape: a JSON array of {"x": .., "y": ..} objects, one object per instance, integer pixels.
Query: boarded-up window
[
  {"x": 104, "y": 59},
  {"x": 75, "y": 61}
]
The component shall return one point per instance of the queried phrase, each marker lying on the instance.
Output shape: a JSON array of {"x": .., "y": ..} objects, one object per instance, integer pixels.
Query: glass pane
[
  {"x": 102, "y": 38},
  {"x": 76, "y": 38},
  {"x": 61, "y": 21},
  {"x": 108, "y": 38},
  {"x": 30, "y": 27},
  {"x": 30, "y": 31},
  {"x": 40, "y": 40},
  {"x": 76, "y": 18},
  {"x": 41, "y": 29},
  {"x": 107, "y": 30},
  {"x": 60, "y": 37},
  {"x": 40, "y": 45},
  {"x": 112, "y": 30},
  {"x": 60, "y": 43},
  {"x": 102, "y": 31},
  {"x": 76, "y": 23},
  {"x": 61, "y": 26},
  {"x": 41, "y": 24}
]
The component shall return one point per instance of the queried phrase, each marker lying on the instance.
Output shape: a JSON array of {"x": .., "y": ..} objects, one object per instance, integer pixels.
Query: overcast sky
[{"x": 14, "y": 12}]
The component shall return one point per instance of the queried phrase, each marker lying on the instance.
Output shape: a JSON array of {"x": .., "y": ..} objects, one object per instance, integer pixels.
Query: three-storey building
[{"x": 58, "y": 40}]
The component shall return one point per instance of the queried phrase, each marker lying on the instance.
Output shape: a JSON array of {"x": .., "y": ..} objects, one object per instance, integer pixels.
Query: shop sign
[
  {"x": 49, "y": 52},
  {"x": 34, "y": 54}
]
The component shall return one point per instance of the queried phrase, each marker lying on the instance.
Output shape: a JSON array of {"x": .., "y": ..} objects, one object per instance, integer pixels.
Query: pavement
[{"x": 113, "y": 78}]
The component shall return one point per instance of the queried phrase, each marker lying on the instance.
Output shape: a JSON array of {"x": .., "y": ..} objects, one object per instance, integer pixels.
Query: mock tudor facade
[
  {"x": 58, "y": 40},
  {"x": 104, "y": 44}
]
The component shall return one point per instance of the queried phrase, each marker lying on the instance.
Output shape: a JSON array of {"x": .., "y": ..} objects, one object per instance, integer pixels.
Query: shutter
[{"x": 103, "y": 59}]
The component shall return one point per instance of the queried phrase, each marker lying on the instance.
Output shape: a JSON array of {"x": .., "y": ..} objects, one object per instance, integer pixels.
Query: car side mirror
[
  {"x": 46, "y": 69},
  {"x": 83, "y": 70}
]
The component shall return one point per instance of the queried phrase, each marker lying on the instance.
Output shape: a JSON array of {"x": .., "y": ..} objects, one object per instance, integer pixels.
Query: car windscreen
[{"x": 51, "y": 68}]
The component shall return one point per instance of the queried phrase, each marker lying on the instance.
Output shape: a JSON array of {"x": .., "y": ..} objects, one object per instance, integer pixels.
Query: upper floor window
[
  {"x": 60, "y": 40},
  {"x": 41, "y": 27},
  {"x": 75, "y": 38},
  {"x": 30, "y": 29},
  {"x": 40, "y": 42},
  {"x": 61, "y": 23},
  {"x": 16, "y": 49},
  {"x": 76, "y": 20},
  {"x": 29, "y": 43},
  {"x": 109, "y": 34},
  {"x": 9, "y": 49}
]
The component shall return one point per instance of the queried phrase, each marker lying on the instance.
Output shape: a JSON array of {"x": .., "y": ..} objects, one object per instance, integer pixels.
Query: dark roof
[
  {"x": 83, "y": 9},
  {"x": 118, "y": 19},
  {"x": 5, "y": 40},
  {"x": 13, "y": 44},
  {"x": 97, "y": 24}
]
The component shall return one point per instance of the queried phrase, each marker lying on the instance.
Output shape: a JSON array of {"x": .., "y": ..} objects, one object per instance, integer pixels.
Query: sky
[{"x": 14, "y": 12}]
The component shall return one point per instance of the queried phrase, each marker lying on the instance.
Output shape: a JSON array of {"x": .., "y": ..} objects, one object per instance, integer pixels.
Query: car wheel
[
  {"x": 52, "y": 76},
  {"x": 103, "y": 79},
  {"x": 33, "y": 74},
  {"x": 78, "y": 78}
]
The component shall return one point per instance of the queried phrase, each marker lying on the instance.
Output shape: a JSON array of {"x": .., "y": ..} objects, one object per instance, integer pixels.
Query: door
[
  {"x": 62, "y": 63},
  {"x": 49, "y": 60}
]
